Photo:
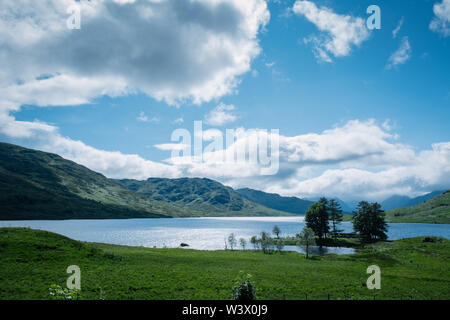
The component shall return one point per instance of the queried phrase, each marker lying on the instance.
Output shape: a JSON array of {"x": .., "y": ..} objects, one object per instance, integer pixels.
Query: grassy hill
[
  {"x": 200, "y": 196},
  {"x": 40, "y": 185},
  {"x": 434, "y": 210},
  {"x": 271, "y": 200},
  {"x": 33, "y": 260}
]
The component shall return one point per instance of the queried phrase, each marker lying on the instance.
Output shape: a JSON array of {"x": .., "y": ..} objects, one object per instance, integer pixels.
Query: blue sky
[{"x": 287, "y": 87}]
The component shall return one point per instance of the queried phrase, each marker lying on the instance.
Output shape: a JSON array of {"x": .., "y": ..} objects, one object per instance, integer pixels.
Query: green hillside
[
  {"x": 271, "y": 200},
  {"x": 32, "y": 260},
  {"x": 434, "y": 210},
  {"x": 200, "y": 196},
  {"x": 40, "y": 185}
]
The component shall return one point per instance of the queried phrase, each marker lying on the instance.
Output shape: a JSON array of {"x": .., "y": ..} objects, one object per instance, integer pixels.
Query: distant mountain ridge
[
  {"x": 396, "y": 201},
  {"x": 433, "y": 210},
  {"x": 198, "y": 195},
  {"x": 275, "y": 201}
]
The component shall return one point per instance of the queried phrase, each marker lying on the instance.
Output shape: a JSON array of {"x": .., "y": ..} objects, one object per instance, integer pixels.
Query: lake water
[{"x": 202, "y": 233}]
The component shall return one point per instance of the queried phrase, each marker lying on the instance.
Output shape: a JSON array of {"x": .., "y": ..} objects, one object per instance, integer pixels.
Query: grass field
[{"x": 33, "y": 260}]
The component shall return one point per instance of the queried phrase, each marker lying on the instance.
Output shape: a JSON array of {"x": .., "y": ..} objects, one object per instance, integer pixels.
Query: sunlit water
[{"x": 201, "y": 233}]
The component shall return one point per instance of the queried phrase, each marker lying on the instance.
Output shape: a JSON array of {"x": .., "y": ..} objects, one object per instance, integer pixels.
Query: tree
[
  {"x": 317, "y": 219},
  {"x": 243, "y": 243},
  {"x": 369, "y": 222},
  {"x": 232, "y": 241},
  {"x": 279, "y": 244},
  {"x": 335, "y": 213},
  {"x": 306, "y": 240},
  {"x": 265, "y": 242},
  {"x": 276, "y": 231},
  {"x": 255, "y": 242}
]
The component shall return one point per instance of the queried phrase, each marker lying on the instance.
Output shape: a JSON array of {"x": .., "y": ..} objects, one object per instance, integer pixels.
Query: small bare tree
[
  {"x": 243, "y": 243},
  {"x": 232, "y": 241},
  {"x": 307, "y": 239},
  {"x": 255, "y": 242}
]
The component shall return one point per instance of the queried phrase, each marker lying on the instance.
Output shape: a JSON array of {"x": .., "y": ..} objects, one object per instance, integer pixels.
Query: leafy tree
[
  {"x": 317, "y": 219},
  {"x": 324, "y": 201},
  {"x": 369, "y": 222},
  {"x": 243, "y": 243},
  {"x": 276, "y": 231},
  {"x": 306, "y": 240},
  {"x": 232, "y": 241},
  {"x": 335, "y": 213}
]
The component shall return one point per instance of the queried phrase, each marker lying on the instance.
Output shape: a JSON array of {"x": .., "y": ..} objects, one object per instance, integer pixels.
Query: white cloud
[
  {"x": 441, "y": 21},
  {"x": 179, "y": 120},
  {"x": 220, "y": 115},
  {"x": 402, "y": 54},
  {"x": 143, "y": 118},
  {"x": 339, "y": 32},
  {"x": 171, "y": 50},
  {"x": 359, "y": 160},
  {"x": 397, "y": 28}
]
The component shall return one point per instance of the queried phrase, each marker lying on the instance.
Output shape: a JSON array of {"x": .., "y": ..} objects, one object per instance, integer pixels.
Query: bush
[
  {"x": 57, "y": 292},
  {"x": 244, "y": 290},
  {"x": 431, "y": 239}
]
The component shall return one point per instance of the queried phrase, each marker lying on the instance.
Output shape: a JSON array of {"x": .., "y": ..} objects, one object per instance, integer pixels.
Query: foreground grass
[{"x": 32, "y": 260}]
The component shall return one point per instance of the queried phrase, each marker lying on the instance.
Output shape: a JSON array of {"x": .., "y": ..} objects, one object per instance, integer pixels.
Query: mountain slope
[
  {"x": 40, "y": 185},
  {"x": 397, "y": 201},
  {"x": 200, "y": 196},
  {"x": 271, "y": 200},
  {"x": 434, "y": 210}
]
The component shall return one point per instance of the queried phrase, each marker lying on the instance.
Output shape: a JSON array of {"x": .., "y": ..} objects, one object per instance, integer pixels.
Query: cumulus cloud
[
  {"x": 220, "y": 115},
  {"x": 358, "y": 160},
  {"x": 339, "y": 32},
  {"x": 401, "y": 55},
  {"x": 441, "y": 21},
  {"x": 172, "y": 50}
]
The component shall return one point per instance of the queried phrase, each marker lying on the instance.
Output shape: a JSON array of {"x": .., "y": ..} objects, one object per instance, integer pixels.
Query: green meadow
[{"x": 31, "y": 261}]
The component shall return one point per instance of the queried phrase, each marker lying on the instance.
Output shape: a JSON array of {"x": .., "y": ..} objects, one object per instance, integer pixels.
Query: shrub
[
  {"x": 244, "y": 290},
  {"x": 431, "y": 239},
  {"x": 63, "y": 294}
]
